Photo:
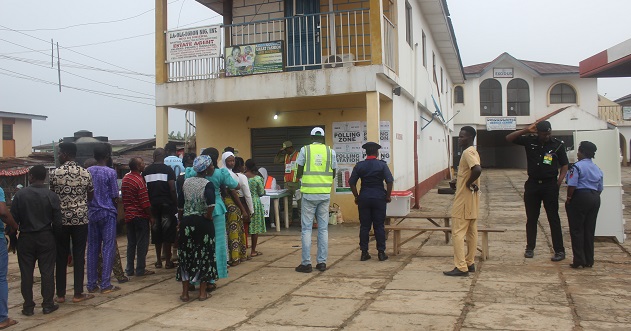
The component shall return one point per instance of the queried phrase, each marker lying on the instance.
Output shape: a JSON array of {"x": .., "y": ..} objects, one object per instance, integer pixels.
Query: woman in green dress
[
  {"x": 257, "y": 189},
  {"x": 196, "y": 246}
]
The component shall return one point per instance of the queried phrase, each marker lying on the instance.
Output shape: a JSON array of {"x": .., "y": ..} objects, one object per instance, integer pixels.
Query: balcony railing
[
  {"x": 613, "y": 113},
  {"x": 389, "y": 43},
  {"x": 325, "y": 40}
]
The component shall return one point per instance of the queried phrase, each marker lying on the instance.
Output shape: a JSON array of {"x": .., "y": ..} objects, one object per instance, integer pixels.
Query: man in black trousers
[
  {"x": 545, "y": 156},
  {"x": 37, "y": 211}
]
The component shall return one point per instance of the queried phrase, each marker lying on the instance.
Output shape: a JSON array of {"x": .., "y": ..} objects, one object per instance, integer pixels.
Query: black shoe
[
  {"x": 576, "y": 265},
  {"x": 471, "y": 268},
  {"x": 588, "y": 266},
  {"x": 304, "y": 268},
  {"x": 48, "y": 310},
  {"x": 456, "y": 272},
  {"x": 321, "y": 266},
  {"x": 365, "y": 256},
  {"x": 382, "y": 256},
  {"x": 28, "y": 312},
  {"x": 558, "y": 257},
  {"x": 529, "y": 254}
]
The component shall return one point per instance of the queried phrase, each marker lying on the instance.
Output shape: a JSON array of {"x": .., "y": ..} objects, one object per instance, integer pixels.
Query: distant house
[{"x": 17, "y": 133}]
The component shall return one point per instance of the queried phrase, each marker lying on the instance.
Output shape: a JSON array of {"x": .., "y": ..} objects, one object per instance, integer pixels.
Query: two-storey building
[
  {"x": 371, "y": 70},
  {"x": 507, "y": 94}
]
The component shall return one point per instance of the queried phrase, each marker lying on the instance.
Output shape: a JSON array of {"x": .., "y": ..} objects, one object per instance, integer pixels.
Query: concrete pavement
[{"x": 407, "y": 292}]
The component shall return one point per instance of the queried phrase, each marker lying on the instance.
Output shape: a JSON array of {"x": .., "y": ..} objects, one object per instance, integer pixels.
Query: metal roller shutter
[{"x": 266, "y": 142}]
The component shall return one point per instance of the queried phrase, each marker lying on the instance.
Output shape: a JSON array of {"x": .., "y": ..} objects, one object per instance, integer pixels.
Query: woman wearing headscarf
[
  {"x": 584, "y": 185},
  {"x": 218, "y": 178},
  {"x": 257, "y": 221},
  {"x": 235, "y": 216},
  {"x": 196, "y": 246}
]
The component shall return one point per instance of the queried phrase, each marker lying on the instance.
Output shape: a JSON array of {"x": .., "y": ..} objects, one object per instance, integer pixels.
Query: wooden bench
[
  {"x": 397, "y": 243},
  {"x": 429, "y": 217}
]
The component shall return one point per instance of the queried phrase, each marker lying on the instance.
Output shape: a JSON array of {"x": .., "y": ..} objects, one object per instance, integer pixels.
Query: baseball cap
[
  {"x": 317, "y": 131},
  {"x": 287, "y": 144}
]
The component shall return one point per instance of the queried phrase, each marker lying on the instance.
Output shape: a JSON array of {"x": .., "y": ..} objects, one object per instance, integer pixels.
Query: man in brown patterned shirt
[{"x": 73, "y": 185}]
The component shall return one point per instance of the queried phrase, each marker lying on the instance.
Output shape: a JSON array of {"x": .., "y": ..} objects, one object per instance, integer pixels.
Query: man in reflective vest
[
  {"x": 316, "y": 170},
  {"x": 287, "y": 156}
]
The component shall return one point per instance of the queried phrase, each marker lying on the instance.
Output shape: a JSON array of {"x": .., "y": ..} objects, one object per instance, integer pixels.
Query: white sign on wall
[
  {"x": 196, "y": 43},
  {"x": 502, "y": 72},
  {"x": 501, "y": 123},
  {"x": 626, "y": 113}
]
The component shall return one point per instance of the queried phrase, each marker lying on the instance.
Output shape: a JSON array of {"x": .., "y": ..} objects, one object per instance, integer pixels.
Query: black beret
[
  {"x": 544, "y": 126},
  {"x": 371, "y": 145}
]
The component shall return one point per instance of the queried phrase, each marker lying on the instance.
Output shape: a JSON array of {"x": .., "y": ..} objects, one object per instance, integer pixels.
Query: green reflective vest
[{"x": 317, "y": 176}]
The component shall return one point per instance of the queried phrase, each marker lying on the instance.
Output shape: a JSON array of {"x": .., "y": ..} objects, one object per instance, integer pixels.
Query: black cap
[
  {"x": 544, "y": 126},
  {"x": 371, "y": 145}
]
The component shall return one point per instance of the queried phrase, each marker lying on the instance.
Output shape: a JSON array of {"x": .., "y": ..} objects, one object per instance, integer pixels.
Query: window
[
  {"x": 424, "y": 41},
  {"x": 490, "y": 98},
  {"x": 518, "y": 95},
  {"x": 408, "y": 23},
  {"x": 458, "y": 94},
  {"x": 442, "y": 80},
  {"x": 562, "y": 93},
  {"x": 7, "y": 132}
]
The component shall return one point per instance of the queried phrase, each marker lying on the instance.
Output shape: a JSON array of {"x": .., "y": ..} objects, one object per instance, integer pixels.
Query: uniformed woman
[
  {"x": 584, "y": 184},
  {"x": 372, "y": 199}
]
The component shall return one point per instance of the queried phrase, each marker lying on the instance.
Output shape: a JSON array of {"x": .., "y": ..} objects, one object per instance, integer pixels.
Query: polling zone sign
[{"x": 194, "y": 43}]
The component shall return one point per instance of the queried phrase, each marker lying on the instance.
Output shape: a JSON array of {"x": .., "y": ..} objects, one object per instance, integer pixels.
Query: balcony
[{"x": 308, "y": 42}]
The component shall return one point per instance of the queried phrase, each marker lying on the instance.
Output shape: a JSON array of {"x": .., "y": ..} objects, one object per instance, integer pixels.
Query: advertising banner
[
  {"x": 254, "y": 59},
  {"x": 194, "y": 43}
]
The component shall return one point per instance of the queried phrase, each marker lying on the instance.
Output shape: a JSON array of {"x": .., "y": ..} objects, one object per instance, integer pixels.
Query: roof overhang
[
  {"x": 6, "y": 114},
  {"x": 436, "y": 14},
  {"x": 214, "y": 5},
  {"x": 612, "y": 62}
]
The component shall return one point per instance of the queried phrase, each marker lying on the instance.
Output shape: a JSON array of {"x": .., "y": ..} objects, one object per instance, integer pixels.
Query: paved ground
[{"x": 408, "y": 292}]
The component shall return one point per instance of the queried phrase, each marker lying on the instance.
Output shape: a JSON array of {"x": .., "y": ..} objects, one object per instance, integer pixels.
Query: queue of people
[{"x": 207, "y": 212}]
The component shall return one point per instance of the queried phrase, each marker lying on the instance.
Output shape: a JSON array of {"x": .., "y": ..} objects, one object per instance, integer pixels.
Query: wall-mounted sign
[
  {"x": 501, "y": 123},
  {"x": 254, "y": 59},
  {"x": 626, "y": 113},
  {"x": 502, "y": 72},
  {"x": 196, "y": 43}
]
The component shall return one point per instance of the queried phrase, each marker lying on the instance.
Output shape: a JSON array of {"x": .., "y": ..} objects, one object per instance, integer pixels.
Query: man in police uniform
[
  {"x": 316, "y": 170},
  {"x": 371, "y": 201},
  {"x": 287, "y": 156},
  {"x": 545, "y": 155}
]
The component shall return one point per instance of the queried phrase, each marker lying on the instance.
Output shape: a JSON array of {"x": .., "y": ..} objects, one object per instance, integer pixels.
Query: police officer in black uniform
[
  {"x": 545, "y": 155},
  {"x": 372, "y": 199}
]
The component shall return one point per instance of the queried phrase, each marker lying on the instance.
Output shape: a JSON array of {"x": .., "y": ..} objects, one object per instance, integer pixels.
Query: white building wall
[{"x": 23, "y": 136}]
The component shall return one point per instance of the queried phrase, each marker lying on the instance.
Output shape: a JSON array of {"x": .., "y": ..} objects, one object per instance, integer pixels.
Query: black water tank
[{"x": 85, "y": 144}]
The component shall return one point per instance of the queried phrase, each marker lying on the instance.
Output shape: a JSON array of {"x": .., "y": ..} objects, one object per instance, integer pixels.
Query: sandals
[
  {"x": 184, "y": 298},
  {"x": 110, "y": 289},
  {"x": 256, "y": 253},
  {"x": 234, "y": 263},
  {"x": 211, "y": 287},
  {"x": 93, "y": 290},
  {"x": 170, "y": 265},
  {"x": 158, "y": 265},
  {"x": 204, "y": 298},
  {"x": 83, "y": 298},
  {"x": 10, "y": 322}
]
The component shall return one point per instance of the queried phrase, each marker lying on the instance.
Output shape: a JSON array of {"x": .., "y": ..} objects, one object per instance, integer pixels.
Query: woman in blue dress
[{"x": 221, "y": 177}]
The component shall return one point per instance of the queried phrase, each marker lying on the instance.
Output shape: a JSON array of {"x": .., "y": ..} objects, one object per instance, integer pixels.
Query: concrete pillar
[
  {"x": 376, "y": 31},
  {"x": 162, "y": 72},
  {"x": 373, "y": 116}
]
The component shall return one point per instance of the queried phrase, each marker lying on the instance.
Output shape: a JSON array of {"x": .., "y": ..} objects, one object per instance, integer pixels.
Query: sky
[{"x": 116, "y": 40}]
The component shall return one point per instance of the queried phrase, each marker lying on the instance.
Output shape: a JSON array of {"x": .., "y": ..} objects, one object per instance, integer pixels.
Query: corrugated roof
[
  {"x": 623, "y": 99},
  {"x": 542, "y": 68}
]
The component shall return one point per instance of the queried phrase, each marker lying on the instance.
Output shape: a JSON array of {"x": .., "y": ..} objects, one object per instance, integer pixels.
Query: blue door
[{"x": 303, "y": 34}]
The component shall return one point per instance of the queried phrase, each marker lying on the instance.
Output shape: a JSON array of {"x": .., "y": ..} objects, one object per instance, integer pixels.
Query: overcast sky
[{"x": 559, "y": 31}]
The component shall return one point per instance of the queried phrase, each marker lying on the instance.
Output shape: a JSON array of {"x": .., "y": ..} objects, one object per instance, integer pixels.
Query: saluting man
[
  {"x": 372, "y": 199},
  {"x": 544, "y": 155}
]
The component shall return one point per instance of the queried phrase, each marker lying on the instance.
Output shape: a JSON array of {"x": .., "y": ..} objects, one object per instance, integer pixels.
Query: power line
[
  {"x": 123, "y": 75},
  {"x": 85, "y": 67},
  {"x": 89, "y": 23},
  {"x": 105, "y": 94},
  {"x": 92, "y": 80},
  {"x": 88, "y": 56}
]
